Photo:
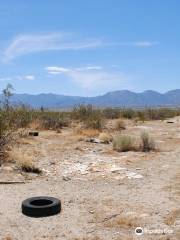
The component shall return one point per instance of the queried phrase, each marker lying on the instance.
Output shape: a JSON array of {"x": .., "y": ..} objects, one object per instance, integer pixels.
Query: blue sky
[{"x": 91, "y": 47}]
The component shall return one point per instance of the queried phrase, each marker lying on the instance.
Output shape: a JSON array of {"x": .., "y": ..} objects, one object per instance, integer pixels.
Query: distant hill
[{"x": 123, "y": 98}]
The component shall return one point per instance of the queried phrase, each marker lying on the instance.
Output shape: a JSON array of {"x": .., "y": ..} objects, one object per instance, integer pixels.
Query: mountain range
[{"x": 122, "y": 98}]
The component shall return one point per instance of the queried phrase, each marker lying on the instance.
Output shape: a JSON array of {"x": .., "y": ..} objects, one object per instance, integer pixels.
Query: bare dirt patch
[{"x": 105, "y": 194}]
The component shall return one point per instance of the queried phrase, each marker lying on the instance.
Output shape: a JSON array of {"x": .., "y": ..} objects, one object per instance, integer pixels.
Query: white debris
[
  {"x": 145, "y": 127},
  {"x": 165, "y": 166},
  {"x": 47, "y": 172},
  {"x": 101, "y": 166},
  {"x": 115, "y": 169},
  {"x": 77, "y": 167},
  {"x": 134, "y": 175}
]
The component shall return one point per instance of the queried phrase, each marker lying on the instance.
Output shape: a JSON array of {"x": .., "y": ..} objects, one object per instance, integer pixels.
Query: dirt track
[{"x": 105, "y": 195}]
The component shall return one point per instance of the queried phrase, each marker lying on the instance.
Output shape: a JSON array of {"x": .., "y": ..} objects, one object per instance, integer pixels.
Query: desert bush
[
  {"x": 19, "y": 117},
  {"x": 128, "y": 113},
  {"x": 5, "y": 136},
  {"x": 141, "y": 116},
  {"x": 92, "y": 118},
  {"x": 30, "y": 168},
  {"x": 94, "y": 122},
  {"x": 4, "y": 144},
  {"x": 123, "y": 143},
  {"x": 105, "y": 137},
  {"x": 147, "y": 143},
  {"x": 24, "y": 161},
  {"x": 119, "y": 124},
  {"x": 82, "y": 112},
  {"x": 111, "y": 113},
  {"x": 53, "y": 121},
  {"x": 158, "y": 113}
]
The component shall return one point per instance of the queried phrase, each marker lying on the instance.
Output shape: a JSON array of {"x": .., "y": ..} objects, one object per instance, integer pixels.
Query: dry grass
[
  {"x": 87, "y": 132},
  {"x": 7, "y": 238},
  {"x": 35, "y": 124},
  {"x": 119, "y": 124},
  {"x": 23, "y": 133},
  {"x": 88, "y": 238},
  {"x": 5, "y": 147},
  {"x": 24, "y": 161},
  {"x": 123, "y": 143},
  {"x": 172, "y": 217},
  {"x": 147, "y": 143},
  {"x": 105, "y": 137},
  {"x": 126, "y": 220}
]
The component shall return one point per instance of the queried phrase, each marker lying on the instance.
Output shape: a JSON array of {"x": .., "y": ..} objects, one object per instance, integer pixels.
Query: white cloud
[
  {"x": 59, "y": 70},
  {"x": 29, "y": 77},
  {"x": 144, "y": 44},
  {"x": 5, "y": 79},
  {"x": 25, "y": 44},
  {"x": 138, "y": 44},
  {"x": 17, "y": 78},
  {"x": 56, "y": 70},
  {"x": 31, "y": 43},
  {"x": 89, "y": 68},
  {"x": 95, "y": 79},
  {"x": 90, "y": 77}
]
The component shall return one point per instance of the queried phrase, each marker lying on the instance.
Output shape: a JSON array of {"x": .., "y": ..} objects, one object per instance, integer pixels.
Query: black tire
[
  {"x": 41, "y": 206},
  {"x": 35, "y": 134}
]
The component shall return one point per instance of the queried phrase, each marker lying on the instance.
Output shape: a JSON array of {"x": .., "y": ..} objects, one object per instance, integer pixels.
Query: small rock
[
  {"x": 66, "y": 178},
  {"x": 52, "y": 163},
  {"x": 91, "y": 211},
  {"x": 93, "y": 140},
  {"x": 170, "y": 122},
  {"x": 6, "y": 168}
]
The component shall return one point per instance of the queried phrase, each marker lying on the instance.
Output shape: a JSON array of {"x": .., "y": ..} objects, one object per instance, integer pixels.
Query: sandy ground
[{"x": 105, "y": 195}]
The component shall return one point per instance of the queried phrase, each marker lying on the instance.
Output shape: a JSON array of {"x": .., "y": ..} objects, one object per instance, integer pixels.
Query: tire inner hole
[{"x": 41, "y": 202}]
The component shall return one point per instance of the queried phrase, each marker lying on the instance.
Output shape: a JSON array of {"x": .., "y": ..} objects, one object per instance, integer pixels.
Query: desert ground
[{"x": 105, "y": 194}]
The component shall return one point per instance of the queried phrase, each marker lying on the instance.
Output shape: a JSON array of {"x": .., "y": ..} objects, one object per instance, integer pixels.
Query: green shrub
[
  {"x": 82, "y": 112},
  {"x": 53, "y": 121},
  {"x": 111, "y": 113},
  {"x": 147, "y": 143},
  {"x": 123, "y": 143},
  {"x": 94, "y": 122},
  {"x": 128, "y": 113},
  {"x": 92, "y": 118}
]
